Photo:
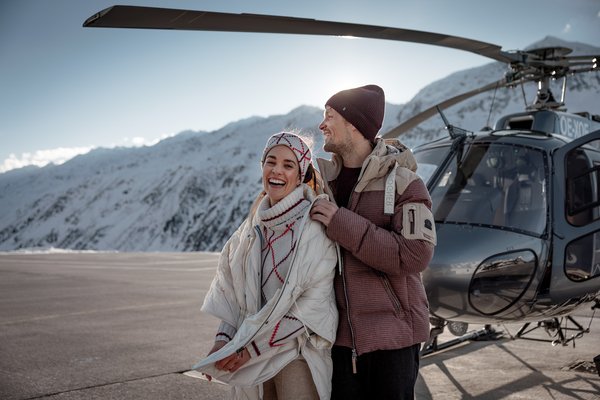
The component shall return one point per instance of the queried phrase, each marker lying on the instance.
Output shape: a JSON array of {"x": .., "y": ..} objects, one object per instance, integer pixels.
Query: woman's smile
[{"x": 281, "y": 173}]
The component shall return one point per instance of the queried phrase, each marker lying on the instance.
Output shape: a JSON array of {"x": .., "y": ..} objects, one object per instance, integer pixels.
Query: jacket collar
[{"x": 385, "y": 154}]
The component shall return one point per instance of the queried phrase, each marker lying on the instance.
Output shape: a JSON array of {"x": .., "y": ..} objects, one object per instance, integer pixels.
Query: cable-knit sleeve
[{"x": 225, "y": 332}]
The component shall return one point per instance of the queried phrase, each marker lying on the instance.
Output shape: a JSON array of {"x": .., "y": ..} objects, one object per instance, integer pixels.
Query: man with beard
[{"x": 379, "y": 214}]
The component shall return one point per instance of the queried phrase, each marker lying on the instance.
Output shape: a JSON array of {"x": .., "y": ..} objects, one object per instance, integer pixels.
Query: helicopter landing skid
[
  {"x": 432, "y": 345},
  {"x": 554, "y": 328}
]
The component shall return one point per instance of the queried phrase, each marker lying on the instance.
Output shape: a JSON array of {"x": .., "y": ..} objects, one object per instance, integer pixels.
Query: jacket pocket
[{"x": 398, "y": 310}]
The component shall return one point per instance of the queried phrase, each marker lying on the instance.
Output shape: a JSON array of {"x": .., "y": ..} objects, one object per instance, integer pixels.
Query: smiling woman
[
  {"x": 280, "y": 173},
  {"x": 284, "y": 165},
  {"x": 273, "y": 291}
]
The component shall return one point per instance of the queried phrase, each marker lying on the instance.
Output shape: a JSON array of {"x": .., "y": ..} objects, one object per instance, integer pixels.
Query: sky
[{"x": 65, "y": 89}]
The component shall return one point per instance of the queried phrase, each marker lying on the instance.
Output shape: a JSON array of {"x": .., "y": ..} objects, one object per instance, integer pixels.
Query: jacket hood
[{"x": 386, "y": 153}]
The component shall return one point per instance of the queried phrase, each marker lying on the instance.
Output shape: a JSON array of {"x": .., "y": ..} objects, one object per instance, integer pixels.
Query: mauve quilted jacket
[{"x": 379, "y": 293}]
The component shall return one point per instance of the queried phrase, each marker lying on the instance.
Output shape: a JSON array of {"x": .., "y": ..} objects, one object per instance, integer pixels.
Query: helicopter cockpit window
[
  {"x": 493, "y": 184},
  {"x": 428, "y": 161}
]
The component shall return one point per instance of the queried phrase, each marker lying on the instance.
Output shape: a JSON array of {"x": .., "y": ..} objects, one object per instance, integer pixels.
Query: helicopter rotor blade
[
  {"x": 531, "y": 65},
  {"x": 583, "y": 63},
  {"x": 166, "y": 18},
  {"x": 591, "y": 58},
  {"x": 423, "y": 115}
]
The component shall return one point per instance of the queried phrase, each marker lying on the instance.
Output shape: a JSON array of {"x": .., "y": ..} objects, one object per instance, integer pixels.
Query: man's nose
[{"x": 322, "y": 125}]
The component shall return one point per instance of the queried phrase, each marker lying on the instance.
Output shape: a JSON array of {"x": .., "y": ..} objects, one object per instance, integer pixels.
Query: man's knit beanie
[
  {"x": 294, "y": 143},
  {"x": 363, "y": 107}
]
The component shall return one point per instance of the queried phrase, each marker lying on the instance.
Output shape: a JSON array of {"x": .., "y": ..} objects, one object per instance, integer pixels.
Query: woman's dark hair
[
  {"x": 310, "y": 172},
  {"x": 314, "y": 179}
]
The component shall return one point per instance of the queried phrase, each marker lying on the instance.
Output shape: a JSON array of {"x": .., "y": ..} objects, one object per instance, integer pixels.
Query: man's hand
[
  {"x": 234, "y": 361},
  {"x": 323, "y": 211}
]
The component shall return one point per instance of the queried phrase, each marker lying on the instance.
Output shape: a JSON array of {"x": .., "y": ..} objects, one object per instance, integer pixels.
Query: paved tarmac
[{"x": 129, "y": 326}]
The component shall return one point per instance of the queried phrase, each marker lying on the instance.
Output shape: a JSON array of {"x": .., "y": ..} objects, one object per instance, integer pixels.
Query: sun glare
[{"x": 344, "y": 81}]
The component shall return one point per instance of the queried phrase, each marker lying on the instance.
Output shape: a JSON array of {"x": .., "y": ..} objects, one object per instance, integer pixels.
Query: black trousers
[{"x": 382, "y": 374}]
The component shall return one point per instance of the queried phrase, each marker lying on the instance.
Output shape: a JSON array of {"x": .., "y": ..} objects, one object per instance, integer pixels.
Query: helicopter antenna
[{"x": 454, "y": 131}]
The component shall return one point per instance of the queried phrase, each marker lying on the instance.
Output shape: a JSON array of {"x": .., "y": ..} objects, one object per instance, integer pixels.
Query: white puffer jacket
[{"x": 234, "y": 297}]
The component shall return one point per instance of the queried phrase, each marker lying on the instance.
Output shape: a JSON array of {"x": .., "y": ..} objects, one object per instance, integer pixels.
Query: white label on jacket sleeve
[{"x": 418, "y": 223}]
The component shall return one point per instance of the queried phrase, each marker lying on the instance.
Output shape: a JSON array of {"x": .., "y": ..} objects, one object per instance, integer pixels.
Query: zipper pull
[
  {"x": 354, "y": 357},
  {"x": 339, "y": 258}
]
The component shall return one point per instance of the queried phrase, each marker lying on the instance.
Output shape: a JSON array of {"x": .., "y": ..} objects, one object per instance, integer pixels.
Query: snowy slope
[{"x": 188, "y": 192}]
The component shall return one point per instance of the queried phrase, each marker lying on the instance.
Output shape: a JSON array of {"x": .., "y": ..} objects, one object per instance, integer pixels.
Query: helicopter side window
[
  {"x": 582, "y": 199},
  {"x": 582, "y": 256}
]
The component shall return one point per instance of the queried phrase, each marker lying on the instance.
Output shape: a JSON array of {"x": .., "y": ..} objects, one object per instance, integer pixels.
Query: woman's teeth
[{"x": 276, "y": 182}]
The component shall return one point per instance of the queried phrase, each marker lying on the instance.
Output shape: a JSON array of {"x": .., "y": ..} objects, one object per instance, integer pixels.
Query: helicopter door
[{"x": 576, "y": 215}]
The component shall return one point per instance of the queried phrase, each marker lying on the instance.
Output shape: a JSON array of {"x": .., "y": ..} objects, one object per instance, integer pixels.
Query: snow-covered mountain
[{"x": 190, "y": 192}]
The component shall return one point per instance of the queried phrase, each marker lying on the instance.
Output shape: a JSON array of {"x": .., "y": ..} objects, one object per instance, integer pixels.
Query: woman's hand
[
  {"x": 217, "y": 346},
  {"x": 234, "y": 361}
]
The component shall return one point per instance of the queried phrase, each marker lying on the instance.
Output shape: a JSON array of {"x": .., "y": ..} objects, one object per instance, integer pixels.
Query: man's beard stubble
[{"x": 340, "y": 149}]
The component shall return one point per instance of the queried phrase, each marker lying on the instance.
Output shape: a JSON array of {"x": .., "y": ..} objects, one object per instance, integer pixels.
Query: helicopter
[{"x": 516, "y": 206}]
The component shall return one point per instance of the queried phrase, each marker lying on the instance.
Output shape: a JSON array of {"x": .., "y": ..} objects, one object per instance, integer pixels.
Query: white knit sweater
[{"x": 279, "y": 235}]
